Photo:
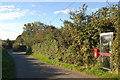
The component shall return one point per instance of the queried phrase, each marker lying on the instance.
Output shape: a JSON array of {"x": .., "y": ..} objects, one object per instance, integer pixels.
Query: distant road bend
[{"x": 29, "y": 67}]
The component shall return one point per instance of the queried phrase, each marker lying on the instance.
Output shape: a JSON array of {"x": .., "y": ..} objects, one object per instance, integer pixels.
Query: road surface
[{"x": 29, "y": 67}]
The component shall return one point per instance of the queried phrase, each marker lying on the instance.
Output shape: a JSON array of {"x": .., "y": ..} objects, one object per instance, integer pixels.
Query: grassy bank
[
  {"x": 8, "y": 67},
  {"x": 98, "y": 73}
]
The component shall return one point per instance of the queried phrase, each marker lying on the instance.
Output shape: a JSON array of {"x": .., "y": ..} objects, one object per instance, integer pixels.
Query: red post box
[{"x": 96, "y": 51}]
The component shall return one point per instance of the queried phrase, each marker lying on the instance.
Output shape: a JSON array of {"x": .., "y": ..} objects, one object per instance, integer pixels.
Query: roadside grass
[
  {"x": 8, "y": 67},
  {"x": 95, "y": 72}
]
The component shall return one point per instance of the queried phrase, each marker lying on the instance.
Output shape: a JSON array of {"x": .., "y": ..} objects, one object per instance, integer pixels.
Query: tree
[{"x": 9, "y": 44}]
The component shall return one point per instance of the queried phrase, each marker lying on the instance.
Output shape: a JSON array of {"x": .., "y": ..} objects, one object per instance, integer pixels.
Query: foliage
[
  {"x": 116, "y": 42},
  {"x": 19, "y": 48},
  {"x": 8, "y": 67},
  {"x": 4, "y": 51},
  {"x": 16, "y": 47},
  {"x": 7, "y": 43}
]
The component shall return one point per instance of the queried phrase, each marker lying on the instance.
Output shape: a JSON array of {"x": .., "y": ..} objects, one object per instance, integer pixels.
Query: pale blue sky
[{"x": 14, "y": 14}]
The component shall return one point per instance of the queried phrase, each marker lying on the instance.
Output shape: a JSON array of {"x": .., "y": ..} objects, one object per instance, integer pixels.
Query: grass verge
[
  {"x": 98, "y": 73},
  {"x": 8, "y": 67}
]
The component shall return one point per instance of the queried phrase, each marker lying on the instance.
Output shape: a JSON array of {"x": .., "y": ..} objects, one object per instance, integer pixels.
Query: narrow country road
[{"x": 29, "y": 67}]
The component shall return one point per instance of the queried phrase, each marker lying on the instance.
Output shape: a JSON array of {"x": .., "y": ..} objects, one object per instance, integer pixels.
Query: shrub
[{"x": 16, "y": 47}]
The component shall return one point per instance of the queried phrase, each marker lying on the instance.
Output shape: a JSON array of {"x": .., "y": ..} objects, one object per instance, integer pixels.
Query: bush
[
  {"x": 4, "y": 51},
  {"x": 29, "y": 50},
  {"x": 8, "y": 67},
  {"x": 16, "y": 47}
]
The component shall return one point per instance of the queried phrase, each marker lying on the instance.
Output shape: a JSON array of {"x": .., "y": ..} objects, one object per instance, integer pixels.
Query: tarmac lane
[{"x": 29, "y": 67}]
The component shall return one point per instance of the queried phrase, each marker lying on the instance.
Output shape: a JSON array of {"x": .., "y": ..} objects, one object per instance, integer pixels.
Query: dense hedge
[
  {"x": 116, "y": 44},
  {"x": 65, "y": 46},
  {"x": 17, "y": 47}
]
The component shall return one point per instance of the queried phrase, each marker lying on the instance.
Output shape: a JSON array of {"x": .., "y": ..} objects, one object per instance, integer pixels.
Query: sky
[{"x": 13, "y": 15}]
